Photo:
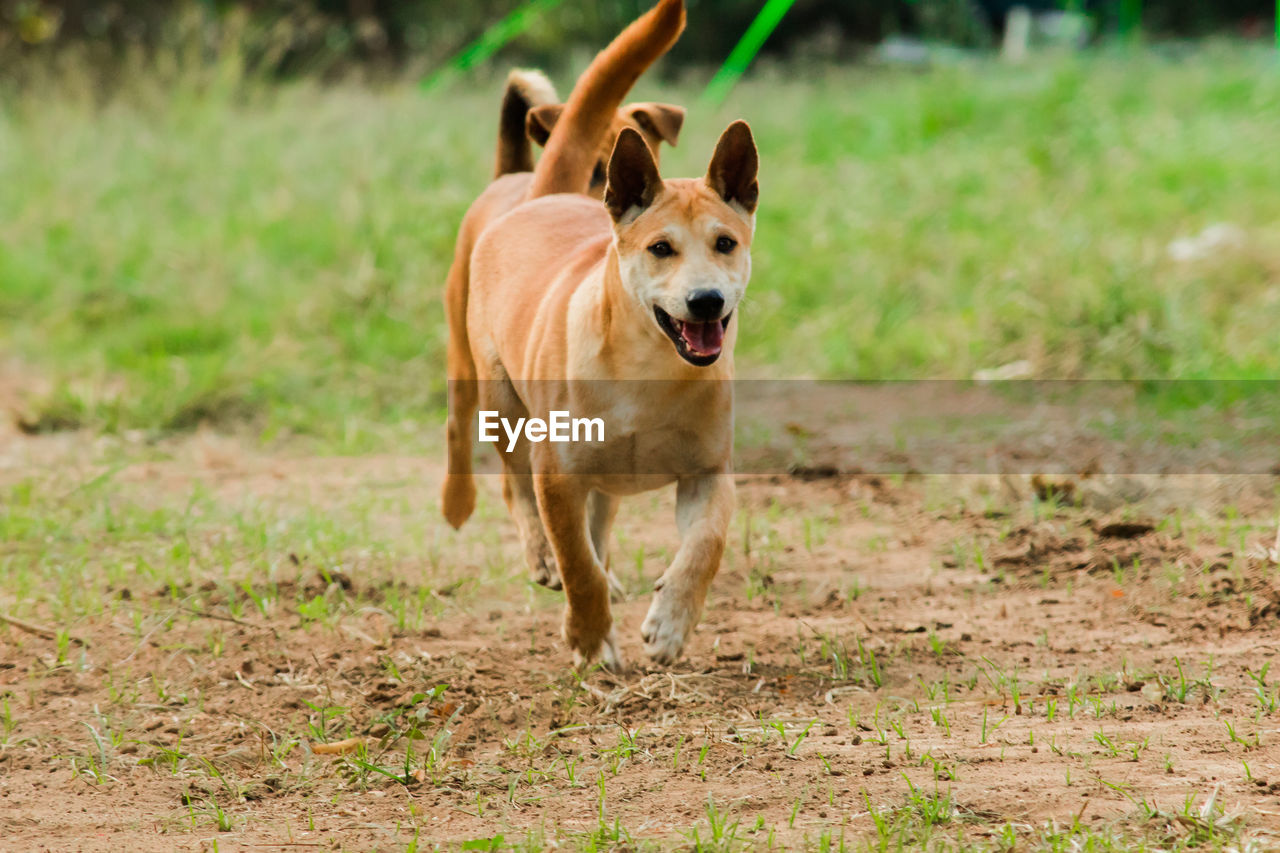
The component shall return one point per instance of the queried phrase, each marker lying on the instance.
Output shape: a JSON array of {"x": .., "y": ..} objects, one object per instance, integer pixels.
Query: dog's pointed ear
[
  {"x": 540, "y": 120},
  {"x": 661, "y": 121},
  {"x": 732, "y": 173},
  {"x": 634, "y": 181}
]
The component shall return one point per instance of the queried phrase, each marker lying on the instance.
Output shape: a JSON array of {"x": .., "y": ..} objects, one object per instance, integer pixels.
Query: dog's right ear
[
  {"x": 732, "y": 173},
  {"x": 634, "y": 181},
  {"x": 540, "y": 120}
]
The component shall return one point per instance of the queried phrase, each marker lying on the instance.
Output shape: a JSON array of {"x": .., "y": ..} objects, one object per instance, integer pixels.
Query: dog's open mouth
[{"x": 697, "y": 343}]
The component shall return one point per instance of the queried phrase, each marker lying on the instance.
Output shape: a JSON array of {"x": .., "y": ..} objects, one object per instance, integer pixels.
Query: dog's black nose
[{"x": 705, "y": 304}]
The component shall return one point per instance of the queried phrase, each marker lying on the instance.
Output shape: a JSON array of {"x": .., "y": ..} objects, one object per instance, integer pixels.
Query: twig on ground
[
  {"x": 609, "y": 700},
  {"x": 39, "y": 631},
  {"x": 338, "y": 747},
  {"x": 205, "y": 614}
]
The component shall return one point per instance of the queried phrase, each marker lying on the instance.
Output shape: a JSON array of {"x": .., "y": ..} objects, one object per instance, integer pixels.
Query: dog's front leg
[
  {"x": 704, "y": 507},
  {"x": 588, "y": 624}
]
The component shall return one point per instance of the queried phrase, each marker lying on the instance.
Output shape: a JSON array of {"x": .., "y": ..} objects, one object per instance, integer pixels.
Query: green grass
[
  {"x": 242, "y": 254},
  {"x": 74, "y": 549}
]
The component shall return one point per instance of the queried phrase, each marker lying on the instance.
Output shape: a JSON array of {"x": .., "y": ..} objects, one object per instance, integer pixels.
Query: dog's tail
[
  {"x": 525, "y": 90},
  {"x": 570, "y": 155}
]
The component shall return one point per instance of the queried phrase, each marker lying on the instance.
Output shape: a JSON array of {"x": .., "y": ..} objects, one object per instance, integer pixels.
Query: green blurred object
[
  {"x": 490, "y": 42},
  {"x": 1131, "y": 19},
  {"x": 746, "y": 49}
]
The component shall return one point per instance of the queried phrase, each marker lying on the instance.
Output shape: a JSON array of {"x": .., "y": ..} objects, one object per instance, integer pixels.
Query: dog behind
[{"x": 531, "y": 108}]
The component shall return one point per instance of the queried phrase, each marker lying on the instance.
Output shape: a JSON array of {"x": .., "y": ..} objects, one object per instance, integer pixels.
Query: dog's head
[
  {"x": 683, "y": 246},
  {"x": 657, "y": 123}
]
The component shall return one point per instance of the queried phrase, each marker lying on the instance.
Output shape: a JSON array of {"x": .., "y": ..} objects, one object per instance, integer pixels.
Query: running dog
[
  {"x": 622, "y": 311},
  {"x": 530, "y": 110}
]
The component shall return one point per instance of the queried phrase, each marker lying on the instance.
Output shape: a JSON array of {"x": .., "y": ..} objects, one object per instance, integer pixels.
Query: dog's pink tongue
[{"x": 703, "y": 338}]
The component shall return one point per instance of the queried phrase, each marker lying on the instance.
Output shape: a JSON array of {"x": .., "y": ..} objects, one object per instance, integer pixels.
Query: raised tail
[
  {"x": 525, "y": 90},
  {"x": 570, "y": 155}
]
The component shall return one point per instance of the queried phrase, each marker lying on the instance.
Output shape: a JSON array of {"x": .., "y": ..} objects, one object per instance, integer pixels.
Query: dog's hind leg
[
  {"x": 601, "y": 510},
  {"x": 517, "y": 489},
  {"x": 517, "y": 479},
  {"x": 704, "y": 507},
  {"x": 588, "y": 622},
  {"x": 458, "y": 498}
]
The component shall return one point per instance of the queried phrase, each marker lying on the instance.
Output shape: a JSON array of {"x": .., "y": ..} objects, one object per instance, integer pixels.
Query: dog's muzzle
[{"x": 699, "y": 342}]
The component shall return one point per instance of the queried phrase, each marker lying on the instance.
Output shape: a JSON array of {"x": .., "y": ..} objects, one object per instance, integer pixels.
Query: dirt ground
[{"x": 889, "y": 661}]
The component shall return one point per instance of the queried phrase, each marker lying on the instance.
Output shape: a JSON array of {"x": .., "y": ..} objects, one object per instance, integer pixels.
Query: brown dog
[
  {"x": 529, "y": 112},
  {"x": 568, "y": 300}
]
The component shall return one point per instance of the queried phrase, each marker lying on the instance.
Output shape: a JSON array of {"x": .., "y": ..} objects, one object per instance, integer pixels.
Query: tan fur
[
  {"x": 572, "y": 147},
  {"x": 657, "y": 123},
  {"x": 531, "y": 108},
  {"x": 557, "y": 314}
]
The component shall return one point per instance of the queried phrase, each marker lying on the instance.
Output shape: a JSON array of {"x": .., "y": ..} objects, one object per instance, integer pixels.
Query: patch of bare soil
[{"x": 869, "y": 642}]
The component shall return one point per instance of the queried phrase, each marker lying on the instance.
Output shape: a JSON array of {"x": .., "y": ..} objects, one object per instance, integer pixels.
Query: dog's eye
[
  {"x": 725, "y": 245},
  {"x": 598, "y": 176},
  {"x": 661, "y": 249}
]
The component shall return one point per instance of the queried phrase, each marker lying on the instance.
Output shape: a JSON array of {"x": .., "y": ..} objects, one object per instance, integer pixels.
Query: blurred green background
[
  {"x": 302, "y": 36},
  {"x": 196, "y": 229}
]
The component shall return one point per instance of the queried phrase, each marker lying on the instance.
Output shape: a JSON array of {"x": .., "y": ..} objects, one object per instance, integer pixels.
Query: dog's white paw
[{"x": 667, "y": 627}]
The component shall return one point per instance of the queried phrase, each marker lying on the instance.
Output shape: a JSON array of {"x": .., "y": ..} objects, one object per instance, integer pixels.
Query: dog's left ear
[
  {"x": 634, "y": 181},
  {"x": 662, "y": 121},
  {"x": 540, "y": 120},
  {"x": 732, "y": 173}
]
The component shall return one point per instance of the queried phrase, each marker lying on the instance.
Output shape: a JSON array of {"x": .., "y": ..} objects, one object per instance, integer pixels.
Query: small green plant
[
  {"x": 722, "y": 833},
  {"x": 990, "y": 729},
  {"x": 1267, "y": 695}
]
